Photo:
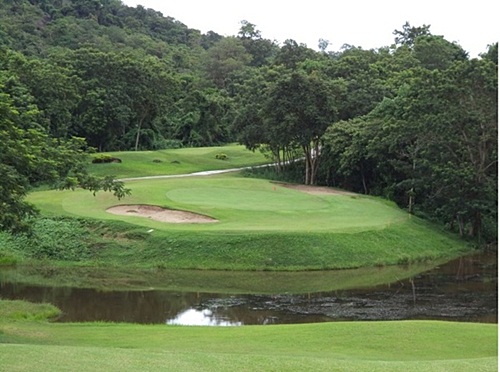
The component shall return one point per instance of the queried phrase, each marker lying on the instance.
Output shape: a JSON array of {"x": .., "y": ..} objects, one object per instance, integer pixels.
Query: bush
[
  {"x": 221, "y": 156},
  {"x": 105, "y": 159},
  {"x": 55, "y": 239}
]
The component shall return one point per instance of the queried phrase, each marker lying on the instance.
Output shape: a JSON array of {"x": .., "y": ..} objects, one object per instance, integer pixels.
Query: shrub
[
  {"x": 105, "y": 159},
  {"x": 55, "y": 239},
  {"x": 221, "y": 156}
]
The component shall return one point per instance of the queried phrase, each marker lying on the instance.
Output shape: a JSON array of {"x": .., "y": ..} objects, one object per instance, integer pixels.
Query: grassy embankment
[
  {"x": 261, "y": 225},
  {"x": 27, "y": 343}
]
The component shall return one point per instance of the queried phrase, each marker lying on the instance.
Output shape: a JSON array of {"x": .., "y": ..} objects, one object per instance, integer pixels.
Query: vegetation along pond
[{"x": 465, "y": 289}]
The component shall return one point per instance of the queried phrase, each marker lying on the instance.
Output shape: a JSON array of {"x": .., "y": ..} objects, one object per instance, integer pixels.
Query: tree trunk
[
  {"x": 363, "y": 179},
  {"x": 138, "y": 134},
  {"x": 306, "y": 176}
]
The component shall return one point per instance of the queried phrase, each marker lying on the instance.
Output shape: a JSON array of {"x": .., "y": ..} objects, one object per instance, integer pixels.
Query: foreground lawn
[
  {"x": 261, "y": 226},
  {"x": 35, "y": 345}
]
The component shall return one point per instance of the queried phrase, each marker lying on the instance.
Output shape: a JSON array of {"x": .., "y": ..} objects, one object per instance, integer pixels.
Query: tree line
[{"x": 415, "y": 121}]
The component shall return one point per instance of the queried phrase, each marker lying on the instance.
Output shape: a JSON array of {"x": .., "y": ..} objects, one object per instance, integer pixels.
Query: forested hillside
[{"x": 415, "y": 121}]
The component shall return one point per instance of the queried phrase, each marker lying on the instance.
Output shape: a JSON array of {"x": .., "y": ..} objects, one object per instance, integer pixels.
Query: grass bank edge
[{"x": 119, "y": 244}]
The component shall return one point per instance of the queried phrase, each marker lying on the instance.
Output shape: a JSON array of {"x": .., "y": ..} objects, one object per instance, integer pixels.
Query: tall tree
[
  {"x": 434, "y": 52},
  {"x": 304, "y": 106},
  {"x": 262, "y": 50},
  {"x": 29, "y": 156},
  {"x": 55, "y": 90},
  {"x": 292, "y": 53},
  {"x": 435, "y": 145},
  {"x": 226, "y": 57},
  {"x": 408, "y": 34}
]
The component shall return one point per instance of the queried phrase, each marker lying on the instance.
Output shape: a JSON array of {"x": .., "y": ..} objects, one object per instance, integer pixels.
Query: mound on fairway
[{"x": 160, "y": 214}]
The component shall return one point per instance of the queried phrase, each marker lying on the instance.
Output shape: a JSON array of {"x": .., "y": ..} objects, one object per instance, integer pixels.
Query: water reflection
[
  {"x": 464, "y": 289},
  {"x": 204, "y": 317}
]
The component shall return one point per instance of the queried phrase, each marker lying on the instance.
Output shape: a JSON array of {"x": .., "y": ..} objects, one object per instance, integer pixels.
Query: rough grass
[
  {"x": 22, "y": 310},
  {"x": 342, "y": 346}
]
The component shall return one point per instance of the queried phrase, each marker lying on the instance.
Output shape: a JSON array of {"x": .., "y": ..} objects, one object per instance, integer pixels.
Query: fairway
[{"x": 177, "y": 161}]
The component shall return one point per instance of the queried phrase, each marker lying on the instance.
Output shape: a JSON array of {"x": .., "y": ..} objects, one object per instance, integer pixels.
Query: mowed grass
[
  {"x": 261, "y": 226},
  {"x": 342, "y": 346},
  {"x": 176, "y": 161},
  {"x": 239, "y": 204}
]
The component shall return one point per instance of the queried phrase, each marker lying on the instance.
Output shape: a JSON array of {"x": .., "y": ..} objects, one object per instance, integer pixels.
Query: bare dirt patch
[
  {"x": 160, "y": 214},
  {"x": 316, "y": 190}
]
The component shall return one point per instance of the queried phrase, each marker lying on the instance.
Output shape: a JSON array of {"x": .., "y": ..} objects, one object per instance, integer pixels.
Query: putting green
[
  {"x": 244, "y": 199},
  {"x": 237, "y": 203}
]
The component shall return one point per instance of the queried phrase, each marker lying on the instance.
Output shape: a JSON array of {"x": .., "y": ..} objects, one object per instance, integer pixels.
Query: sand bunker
[{"x": 159, "y": 214}]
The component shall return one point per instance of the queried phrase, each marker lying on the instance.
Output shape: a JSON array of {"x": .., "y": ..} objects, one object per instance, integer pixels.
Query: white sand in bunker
[{"x": 160, "y": 214}]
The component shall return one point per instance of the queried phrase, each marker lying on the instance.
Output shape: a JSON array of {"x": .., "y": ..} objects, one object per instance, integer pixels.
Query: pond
[{"x": 464, "y": 289}]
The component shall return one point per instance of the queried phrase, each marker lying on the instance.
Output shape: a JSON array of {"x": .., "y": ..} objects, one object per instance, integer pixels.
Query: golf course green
[{"x": 242, "y": 223}]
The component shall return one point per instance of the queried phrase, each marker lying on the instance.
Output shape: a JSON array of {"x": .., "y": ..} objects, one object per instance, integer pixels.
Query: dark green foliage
[
  {"x": 29, "y": 156},
  {"x": 292, "y": 173},
  {"x": 67, "y": 239},
  {"x": 58, "y": 240},
  {"x": 409, "y": 33},
  {"x": 432, "y": 148},
  {"x": 105, "y": 159}
]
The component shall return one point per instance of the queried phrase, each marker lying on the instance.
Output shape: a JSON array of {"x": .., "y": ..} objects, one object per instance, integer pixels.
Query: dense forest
[{"x": 415, "y": 122}]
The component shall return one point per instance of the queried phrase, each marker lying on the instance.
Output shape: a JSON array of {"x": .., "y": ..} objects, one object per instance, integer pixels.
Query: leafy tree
[
  {"x": 250, "y": 125},
  {"x": 434, "y": 52},
  {"x": 492, "y": 53},
  {"x": 434, "y": 146},
  {"x": 292, "y": 53},
  {"x": 365, "y": 76},
  {"x": 248, "y": 31},
  {"x": 409, "y": 34},
  {"x": 28, "y": 156},
  {"x": 55, "y": 90},
  {"x": 224, "y": 58},
  {"x": 122, "y": 95},
  {"x": 346, "y": 157},
  {"x": 261, "y": 50},
  {"x": 303, "y": 105},
  {"x": 201, "y": 118}
]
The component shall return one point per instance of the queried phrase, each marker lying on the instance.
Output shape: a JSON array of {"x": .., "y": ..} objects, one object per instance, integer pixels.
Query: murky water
[{"x": 465, "y": 289}]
